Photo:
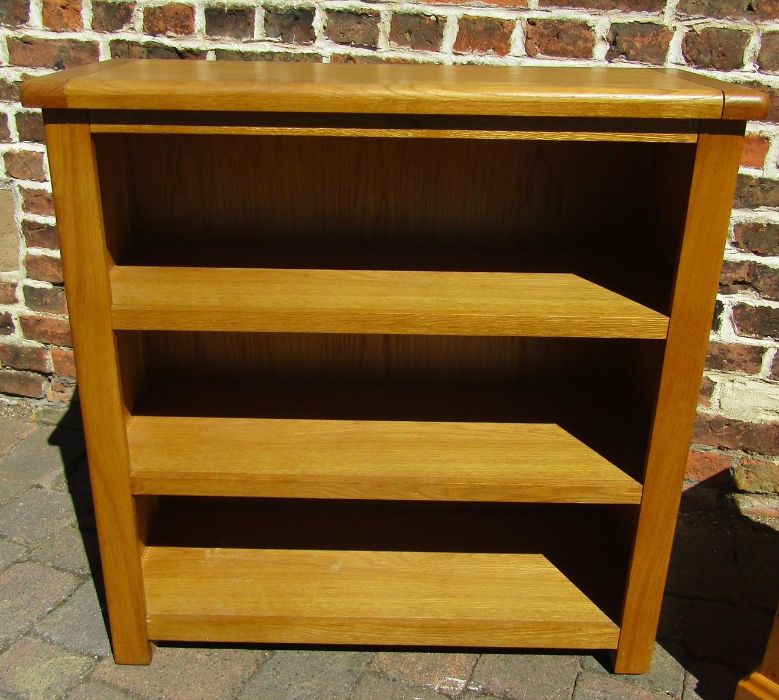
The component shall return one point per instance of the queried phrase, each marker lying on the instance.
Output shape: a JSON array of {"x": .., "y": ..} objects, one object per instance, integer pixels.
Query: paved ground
[{"x": 53, "y": 642}]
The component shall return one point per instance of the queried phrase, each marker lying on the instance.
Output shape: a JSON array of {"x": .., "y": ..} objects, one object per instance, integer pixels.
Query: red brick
[
  {"x": 169, "y": 20},
  {"x": 507, "y": 4},
  {"x": 44, "y": 268},
  {"x": 9, "y": 91},
  {"x": 484, "y": 35},
  {"x": 122, "y": 48},
  {"x": 418, "y": 32},
  {"x": 62, "y": 15},
  {"x": 64, "y": 364},
  {"x": 28, "y": 357},
  {"x": 755, "y": 149},
  {"x": 760, "y": 239},
  {"x": 768, "y": 58},
  {"x": 22, "y": 384},
  {"x": 727, "y": 357},
  {"x": 748, "y": 275},
  {"x": 624, "y": 5},
  {"x": 61, "y": 390},
  {"x": 111, "y": 16},
  {"x": 753, "y": 192},
  {"x": 30, "y": 126},
  {"x": 37, "y": 202},
  {"x": 6, "y": 323},
  {"x": 735, "y": 9},
  {"x": 55, "y": 331},
  {"x": 705, "y": 392},
  {"x": 292, "y": 26},
  {"x": 756, "y": 475},
  {"x": 50, "y": 300},
  {"x": 7, "y": 292},
  {"x": 715, "y": 47},
  {"x": 14, "y": 13},
  {"x": 358, "y": 28},
  {"x": 638, "y": 41},
  {"x": 233, "y": 22},
  {"x": 5, "y": 132},
  {"x": 756, "y": 321},
  {"x": 368, "y": 59},
  {"x": 32, "y": 52},
  {"x": 761, "y": 438},
  {"x": 274, "y": 56},
  {"x": 702, "y": 466},
  {"x": 559, "y": 37},
  {"x": 26, "y": 165},
  {"x": 39, "y": 235}
]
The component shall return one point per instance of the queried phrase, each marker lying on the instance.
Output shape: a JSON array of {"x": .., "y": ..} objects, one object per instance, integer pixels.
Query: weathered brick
[
  {"x": 26, "y": 165},
  {"x": 445, "y": 673},
  {"x": 760, "y": 239},
  {"x": 419, "y": 32},
  {"x": 763, "y": 507},
  {"x": 370, "y": 58},
  {"x": 738, "y": 276},
  {"x": 38, "y": 235},
  {"x": 61, "y": 390},
  {"x": 768, "y": 58},
  {"x": 9, "y": 90},
  {"x": 353, "y": 28},
  {"x": 756, "y": 321},
  {"x": 484, "y": 35},
  {"x": 37, "y": 202},
  {"x": 292, "y": 26},
  {"x": 32, "y": 52},
  {"x": 276, "y": 56},
  {"x": 8, "y": 292},
  {"x": 5, "y": 132},
  {"x": 716, "y": 431},
  {"x": 6, "y": 323},
  {"x": 14, "y": 13},
  {"x": 64, "y": 364},
  {"x": 9, "y": 236},
  {"x": 638, "y": 41},
  {"x": 230, "y": 21},
  {"x": 55, "y": 331},
  {"x": 30, "y": 357},
  {"x": 22, "y": 384},
  {"x": 705, "y": 392},
  {"x": 752, "y": 192},
  {"x": 702, "y": 466},
  {"x": 729, "y": 357},
  {"x": 755, "y": 150},
  {"x": 30, "y": 126},
  {"x": 756, "y": 475},
  {"x": 44, "y": 267},
  {"x": 169, "y": 20},
  {"x": 50, "y": 300},
  {"x": 736, "y": 9},
  {"x": 62, "y": 15},
  {"x": 773, "y": 372},
  {"x": 559, "y": 37},
  {"x": 111, "y": 16},
  {"x": 121, "y": 48},
  {"x": 624, "y": 5},
  {"x": 715, "y": 47},
  {"x": 506, "y": 4}
]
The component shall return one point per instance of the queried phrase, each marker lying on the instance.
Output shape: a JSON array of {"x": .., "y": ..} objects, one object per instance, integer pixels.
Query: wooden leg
[{"x": 713, "y": 186}]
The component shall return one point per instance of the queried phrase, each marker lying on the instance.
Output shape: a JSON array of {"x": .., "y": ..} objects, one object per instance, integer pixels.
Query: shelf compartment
[
  {"x": 403, "y": 460},
  {"x": 367, "y": 597},
  {"x": 371, "y": 301}
]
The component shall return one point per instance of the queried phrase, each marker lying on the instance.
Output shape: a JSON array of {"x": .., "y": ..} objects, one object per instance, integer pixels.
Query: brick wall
[{"x": 737, "y": 435}]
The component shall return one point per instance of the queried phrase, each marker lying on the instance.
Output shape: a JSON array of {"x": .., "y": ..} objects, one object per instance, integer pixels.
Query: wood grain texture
[
  {"x": 763, "y": 683},
  {"x": 370, "y": 459},
  {"x": 713, "y": 185},
  {"x": 607, "y": 91},
  {"x": 361, "y": 597},
  {"x": 349, "y": 301},
  {"x": 86, "y": 262}
]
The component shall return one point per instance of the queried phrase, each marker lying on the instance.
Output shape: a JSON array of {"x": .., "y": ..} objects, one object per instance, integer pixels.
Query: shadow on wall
[{"x": 720, "y": 598}]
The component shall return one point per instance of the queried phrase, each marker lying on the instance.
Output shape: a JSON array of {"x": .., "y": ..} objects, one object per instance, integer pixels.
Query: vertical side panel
[
  {"x": 86, "y": 265},
  {"x": 711, "y": 198}
]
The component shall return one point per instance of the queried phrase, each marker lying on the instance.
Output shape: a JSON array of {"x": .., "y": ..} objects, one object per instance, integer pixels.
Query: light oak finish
[
  {"x": 360, "y": 597},
  {"x": 86, "y": 263},
  {"x": 398, "y": 460},
  {"x": 763, "y": 683},
  {"x": 375, "y": 301}
]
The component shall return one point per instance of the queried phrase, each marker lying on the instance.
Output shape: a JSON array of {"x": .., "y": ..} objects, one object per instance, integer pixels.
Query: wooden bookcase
[{"x": 389, "y": 354}]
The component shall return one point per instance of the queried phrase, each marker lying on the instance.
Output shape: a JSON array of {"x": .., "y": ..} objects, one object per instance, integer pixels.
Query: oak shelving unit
[{"x": 389, "y": 354}]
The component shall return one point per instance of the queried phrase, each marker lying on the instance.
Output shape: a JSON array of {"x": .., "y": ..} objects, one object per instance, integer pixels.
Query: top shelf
[{"x": 527, "y": 91}]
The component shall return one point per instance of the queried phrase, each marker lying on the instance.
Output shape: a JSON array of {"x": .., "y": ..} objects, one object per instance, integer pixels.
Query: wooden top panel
[{"x": 608, "y": 91}]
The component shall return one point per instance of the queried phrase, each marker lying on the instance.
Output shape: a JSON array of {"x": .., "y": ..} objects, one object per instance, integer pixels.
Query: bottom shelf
[{"x": 379, "y": 573}]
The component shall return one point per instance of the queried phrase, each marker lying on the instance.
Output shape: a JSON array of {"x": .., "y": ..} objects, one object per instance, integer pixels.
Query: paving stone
[
  {"x": 35, "y": 515},
  {"x": 78, "y": 623},
  {"x": 9, "y": 553},
  {"x": 65, "y": 549},
  {"x": 183, "y": 673},
  {"x": 76, "y": 484},
  {"x": 35, "y": 669},
  {"x": 27, "y": 591},
  {"x": 373, "y": 687},
  {"x": 95, "y": 690},
  {"x": 591, "y": 685},
  {"x": 665, "y": 675},
  {"x": 710, "y": 682},
  {"x": 521, "y": 676},
  {"x": 446, "y": 673},
  {"x": 13, "y": 432},
  {"x": 318, "y": 675}
]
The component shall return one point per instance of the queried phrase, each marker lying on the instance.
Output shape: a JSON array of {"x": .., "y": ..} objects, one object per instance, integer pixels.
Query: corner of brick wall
[{"x": 736, "y": 441}]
